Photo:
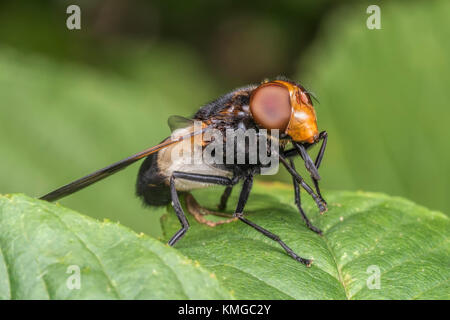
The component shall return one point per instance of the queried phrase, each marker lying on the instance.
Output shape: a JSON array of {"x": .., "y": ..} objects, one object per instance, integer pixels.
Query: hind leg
[
  {"x": 194, "y": 207},
  {"x": 199, "y": 213},
  {"x": 180, "y": 214}
]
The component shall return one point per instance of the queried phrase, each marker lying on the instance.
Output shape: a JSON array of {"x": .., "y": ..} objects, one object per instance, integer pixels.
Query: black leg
[
  {"x": 293, "y": 152},
  {"x": 311, "y": 167},
  {"x": 243, "y": 197},
  {"x": 224, "y": 198},
  {"x": 180, "y": 214},
  {"x": 299, "y": 203},
  {"x": 316, "y": 186},
  {"x": 309, "y": 164},
  {"x": 205, "y": 178},
  {"x": 224, "y": 181},
  {"x": 299, "y": 179},
  {"x": 290, "y": 153},
  {"x": 324, "y": 137},
  {"x": 176, "y": 202}
]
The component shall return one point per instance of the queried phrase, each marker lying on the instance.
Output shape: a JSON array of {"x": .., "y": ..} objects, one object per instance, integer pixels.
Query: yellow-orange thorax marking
[{"x": 302, "y": 126}]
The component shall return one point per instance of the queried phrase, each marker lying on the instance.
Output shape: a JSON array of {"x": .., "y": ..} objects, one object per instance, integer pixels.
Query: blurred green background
[{"x": 73, "y": 101}]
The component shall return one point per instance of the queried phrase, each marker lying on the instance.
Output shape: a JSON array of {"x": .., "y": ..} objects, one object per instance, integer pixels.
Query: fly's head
[{"x": 287, "y": 107}]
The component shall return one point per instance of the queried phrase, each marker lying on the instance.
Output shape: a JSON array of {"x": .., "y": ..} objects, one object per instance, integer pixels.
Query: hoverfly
[{"x": 280, "y": 105}]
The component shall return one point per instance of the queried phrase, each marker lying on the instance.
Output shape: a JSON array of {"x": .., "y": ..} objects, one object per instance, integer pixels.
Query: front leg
[
  {"x": 320, "y": 204},
  {"x": 311, "y": 167},
  {"x": 299, "y": 204},
  {"x": 324, "y": 137}
]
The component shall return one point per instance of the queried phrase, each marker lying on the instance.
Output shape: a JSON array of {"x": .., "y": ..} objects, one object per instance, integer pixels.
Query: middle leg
[
  {"x": 243, "y": 197},
  {"x": 224, "y": 198},
  {"x": 193, "y": 206}
]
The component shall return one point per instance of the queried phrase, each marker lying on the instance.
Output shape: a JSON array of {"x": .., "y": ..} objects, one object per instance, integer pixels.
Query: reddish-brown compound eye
[{"x": 270, "y": 106}]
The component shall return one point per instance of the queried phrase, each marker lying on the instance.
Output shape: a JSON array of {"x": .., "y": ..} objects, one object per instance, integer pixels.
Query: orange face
[{"x": 285, "y": 106}]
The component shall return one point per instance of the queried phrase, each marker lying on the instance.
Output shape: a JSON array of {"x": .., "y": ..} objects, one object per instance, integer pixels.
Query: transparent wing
[
  {"x": 178, "y": 122},
  {"x": 101, "y": 174}
]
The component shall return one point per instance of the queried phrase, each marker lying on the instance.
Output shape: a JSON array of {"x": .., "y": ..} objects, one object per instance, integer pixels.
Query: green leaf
[
  {"x": 40, "y": 240},
  {"x": 406, "y": 243}
]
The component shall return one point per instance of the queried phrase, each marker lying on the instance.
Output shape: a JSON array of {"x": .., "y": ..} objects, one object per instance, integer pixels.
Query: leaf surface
[
  {"x": 39, "y": 241},
  {"x": 367, "y": 236}
]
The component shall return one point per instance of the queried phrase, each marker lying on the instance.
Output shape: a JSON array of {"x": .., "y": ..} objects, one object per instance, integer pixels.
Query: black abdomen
[{"x": 150, "y": 184}]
